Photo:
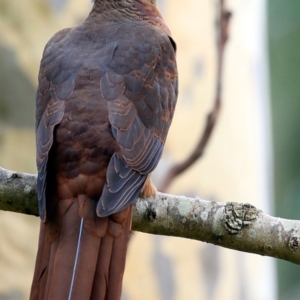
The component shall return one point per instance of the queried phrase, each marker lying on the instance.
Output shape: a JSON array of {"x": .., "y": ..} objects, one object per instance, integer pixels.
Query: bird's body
[{"x": 106, "y": 97}]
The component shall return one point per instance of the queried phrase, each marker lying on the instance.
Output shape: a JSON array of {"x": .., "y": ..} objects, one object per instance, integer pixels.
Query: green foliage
[{"x": 284, "y": 49}]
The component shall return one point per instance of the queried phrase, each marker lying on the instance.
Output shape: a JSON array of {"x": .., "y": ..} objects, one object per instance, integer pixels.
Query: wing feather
[
  {"x": 55, "y": 86},
  {"x": 141, "y": 107}
]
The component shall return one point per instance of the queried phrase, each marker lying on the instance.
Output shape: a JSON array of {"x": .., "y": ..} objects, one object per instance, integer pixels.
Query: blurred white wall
[{"x": 236, "y": 165}]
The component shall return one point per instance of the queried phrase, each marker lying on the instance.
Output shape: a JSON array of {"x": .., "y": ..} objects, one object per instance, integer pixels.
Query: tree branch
[
  {"x": 232, "y": 225},
  {"x": 18, "y": 192}
]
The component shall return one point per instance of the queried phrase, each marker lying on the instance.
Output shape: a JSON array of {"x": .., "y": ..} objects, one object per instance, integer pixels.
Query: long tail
[{"x": 81, "y": 256}]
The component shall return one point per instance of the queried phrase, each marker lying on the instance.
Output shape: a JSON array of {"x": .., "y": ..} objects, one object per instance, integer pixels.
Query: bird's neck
[
  {"x": 133, "y": 10},
  {"x": 108, "y": 4},
  {"x": 112, "y": 1},
  {"x": 129, "y": 10}
]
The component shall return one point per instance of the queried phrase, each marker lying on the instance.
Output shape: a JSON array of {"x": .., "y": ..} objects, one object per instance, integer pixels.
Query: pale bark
[{"x": 232, "y": 225}]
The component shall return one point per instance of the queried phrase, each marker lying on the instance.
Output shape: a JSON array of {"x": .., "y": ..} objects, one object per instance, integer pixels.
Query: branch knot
[{"x": 238, "y": 215}]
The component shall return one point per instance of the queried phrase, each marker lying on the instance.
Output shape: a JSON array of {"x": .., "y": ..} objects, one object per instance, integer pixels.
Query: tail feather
[
  {"x": 76, "y": 259},
  {"x": 86, "y": 266},
  {"x": 100, "y": 282},
  {"x": 40, "y": 273},
  {"x": 112, "y": 252},
  {"x": 63, "y": 253},
  {"x": 117, "y": 270},
  {"x": 84, "y": 259}
]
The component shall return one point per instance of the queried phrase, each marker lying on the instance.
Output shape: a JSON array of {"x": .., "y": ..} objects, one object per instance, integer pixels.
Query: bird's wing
[
  {"x": 140, "y": 86},
  {"x": 55, "y": 86}
]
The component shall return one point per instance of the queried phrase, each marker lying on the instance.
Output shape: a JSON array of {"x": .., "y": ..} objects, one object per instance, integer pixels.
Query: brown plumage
[{"x": 106, "y": 97}]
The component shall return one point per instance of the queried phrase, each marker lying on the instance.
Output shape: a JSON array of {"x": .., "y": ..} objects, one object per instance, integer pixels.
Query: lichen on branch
[{"x": 232, "y": 225}]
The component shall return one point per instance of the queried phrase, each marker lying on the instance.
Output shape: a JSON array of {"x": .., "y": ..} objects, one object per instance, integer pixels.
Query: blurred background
[{"x": 253, "y": 155}]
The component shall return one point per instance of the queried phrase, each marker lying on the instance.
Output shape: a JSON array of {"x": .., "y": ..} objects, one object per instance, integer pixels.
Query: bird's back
[{"x": 105, "y": 101}]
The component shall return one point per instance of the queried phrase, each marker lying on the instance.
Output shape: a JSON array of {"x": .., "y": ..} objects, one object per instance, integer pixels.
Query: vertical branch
[{"x": 222, "y": 28}]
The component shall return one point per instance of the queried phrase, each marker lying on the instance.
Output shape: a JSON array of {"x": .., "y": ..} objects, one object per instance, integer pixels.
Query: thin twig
[{"x": 222, "y": 37}]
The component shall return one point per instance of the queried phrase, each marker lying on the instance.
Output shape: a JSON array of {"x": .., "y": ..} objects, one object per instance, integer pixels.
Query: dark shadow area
[
  {"x": 163, "y": 269},
  {"x": 210, "y": 265},
  {"x": 17, "y": 94},
  {"x": 12, "y": 295},
  {"x": 58, "y": 5}
]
